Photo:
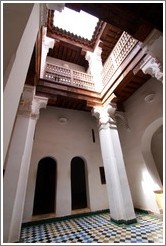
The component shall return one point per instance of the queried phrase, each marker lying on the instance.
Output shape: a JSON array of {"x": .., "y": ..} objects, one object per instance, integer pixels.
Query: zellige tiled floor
[{"x": 96, "y": 229}]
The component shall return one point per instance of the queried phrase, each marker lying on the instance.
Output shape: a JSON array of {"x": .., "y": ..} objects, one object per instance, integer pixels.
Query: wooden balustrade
[
  {"x": 121, "y": 50},
  {"x": 63, "y": 75},
  {"x": 68, "y": 76}
]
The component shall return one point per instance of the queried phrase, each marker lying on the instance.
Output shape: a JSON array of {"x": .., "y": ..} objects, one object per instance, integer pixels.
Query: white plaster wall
[
  {"x": 63, "y": 142},
  {"x": 143, "y": 120},
  {"x": 64, "y": 63},
  {"x": 17, "y": 61}
]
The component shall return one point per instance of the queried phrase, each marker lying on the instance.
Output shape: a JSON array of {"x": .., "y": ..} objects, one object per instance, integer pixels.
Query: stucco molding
[
  {"x": 37, "y": 104},
  {"x": 105, "y": 116},
  {"x": 30, "y": 104},
  {"x": 150, "y": 65}
]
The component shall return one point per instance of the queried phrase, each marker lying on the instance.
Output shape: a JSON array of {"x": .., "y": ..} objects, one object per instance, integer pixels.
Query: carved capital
[
  {"x": 150, "y": 65},
  {"x": 153, "y": 67},
  {"x": 153, "y": 45},
  {"x": 26, "y": 101},
  {"x": 105, "y": 116},
  {"x": 30, "y": 104},
  {"x": 94, "y": 57},
  {"x": 37, "y": 104},
  {"x": 47, "y": 42}
]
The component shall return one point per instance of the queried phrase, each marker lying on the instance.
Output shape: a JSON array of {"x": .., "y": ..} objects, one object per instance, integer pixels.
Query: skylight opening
[{"x": 79, "y": 23}]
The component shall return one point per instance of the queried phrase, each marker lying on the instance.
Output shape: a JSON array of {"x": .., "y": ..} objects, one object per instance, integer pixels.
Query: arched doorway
[
  {"x": 78, "y": 184},
  {"x": 44, "y": 200}
]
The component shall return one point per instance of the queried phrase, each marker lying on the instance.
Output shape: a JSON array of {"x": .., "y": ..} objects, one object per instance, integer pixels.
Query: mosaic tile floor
[{"x": 96, "y": 228}]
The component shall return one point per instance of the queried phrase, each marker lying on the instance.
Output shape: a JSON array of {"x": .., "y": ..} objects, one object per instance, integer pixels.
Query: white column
[
  {"x": 24, "y": 34},
  {"x": 95, "y": 67},
  {"x": 120, "y": 201},
  {"x": 18, "y": 161},
  {"x": 47, "y": 43}
]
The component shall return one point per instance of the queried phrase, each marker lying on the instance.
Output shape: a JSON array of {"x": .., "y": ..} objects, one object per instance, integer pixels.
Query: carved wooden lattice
[
  {"x": 68, "y": 76},
  {"x": 117, "y": 56}
]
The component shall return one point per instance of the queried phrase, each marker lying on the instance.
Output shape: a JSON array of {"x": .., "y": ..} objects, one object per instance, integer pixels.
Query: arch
[
  {"x": 45, "y": 189},
  {"x": 157, "y": 150},
  {"x": 147, "y": 151},
  {"x": 79, "y": 195}
]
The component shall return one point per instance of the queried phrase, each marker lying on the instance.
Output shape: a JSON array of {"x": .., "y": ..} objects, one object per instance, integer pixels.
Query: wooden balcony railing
[
  {"x": 68, "y": 76},
  {"x": 121, "y": 50}
]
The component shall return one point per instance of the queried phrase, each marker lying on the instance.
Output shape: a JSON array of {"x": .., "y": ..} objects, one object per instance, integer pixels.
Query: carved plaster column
[
  {"x": 47, "y": 43},
  {"x": 18, "y": 162},
  {"x": 95, "y": 67},
  {"x": 120, "y": 201}
]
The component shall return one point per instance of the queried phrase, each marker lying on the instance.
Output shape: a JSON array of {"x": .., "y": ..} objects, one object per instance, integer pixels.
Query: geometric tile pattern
[{"x": 96, "y": 229}]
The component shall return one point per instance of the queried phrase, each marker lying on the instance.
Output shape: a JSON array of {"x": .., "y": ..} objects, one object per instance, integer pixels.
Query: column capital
[
  {"x": 47, "y": 42},
  {"x": 105, "y": 116},
  {"x": 150, "y": 65},
  {"x": 94, "y": 56},
  {"x": 153, "y": 45},
  {"x": 153, "y": 67},
  {"x": 37, "y": 104},
  {"x": 30, "y": 104}
]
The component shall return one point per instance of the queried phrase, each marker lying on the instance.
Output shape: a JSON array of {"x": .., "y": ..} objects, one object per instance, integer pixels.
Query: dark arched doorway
[
  {"x": 78, "y": 184},
  {"x": 44, "y": 201}
]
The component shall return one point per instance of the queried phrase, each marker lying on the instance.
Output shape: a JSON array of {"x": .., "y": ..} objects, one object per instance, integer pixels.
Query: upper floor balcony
[
  {"x": 70, "y": 77},
  {"x": 111, "y": 69}
]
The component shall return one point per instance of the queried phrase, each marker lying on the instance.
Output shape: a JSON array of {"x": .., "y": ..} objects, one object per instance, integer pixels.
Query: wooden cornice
[
  {"x": 54, "y": 90},
  {"x": 65, "y": 36}
]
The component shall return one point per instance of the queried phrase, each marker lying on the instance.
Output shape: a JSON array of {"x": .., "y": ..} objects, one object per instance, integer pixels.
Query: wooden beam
[
  {"x": 70, "y": 41},
  {"x": 50, "y": 92}
]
